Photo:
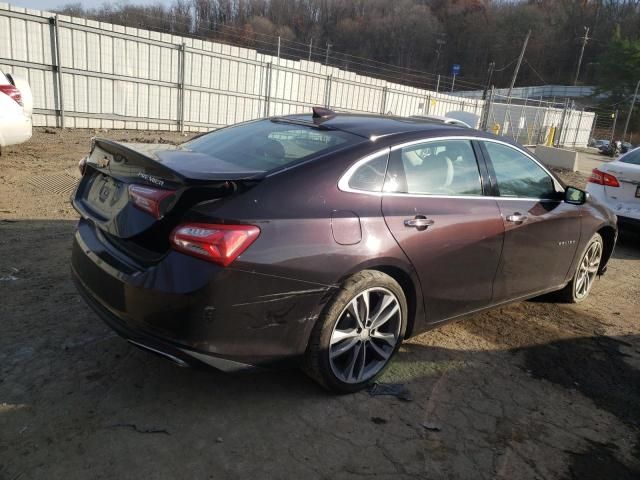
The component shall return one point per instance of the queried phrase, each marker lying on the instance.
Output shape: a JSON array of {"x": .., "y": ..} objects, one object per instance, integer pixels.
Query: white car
[
  {"x": 16, "y": 105},
  {"x": 443, "y": 119},
  {"x": 617, "y": 185}
]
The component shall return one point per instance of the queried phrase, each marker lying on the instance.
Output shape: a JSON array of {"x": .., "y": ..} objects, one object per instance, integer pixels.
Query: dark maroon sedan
[{"x": 325, "y": 238}]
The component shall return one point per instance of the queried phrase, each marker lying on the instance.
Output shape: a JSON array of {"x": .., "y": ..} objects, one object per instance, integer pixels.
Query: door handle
[
  {"x": 419, "y": 221},
  {"x": 516, "y": 218}
]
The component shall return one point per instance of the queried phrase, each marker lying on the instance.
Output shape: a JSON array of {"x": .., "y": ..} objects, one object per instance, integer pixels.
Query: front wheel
[
  {"x": 580, "y": 285},
  {"x": 360, "y": 330}
]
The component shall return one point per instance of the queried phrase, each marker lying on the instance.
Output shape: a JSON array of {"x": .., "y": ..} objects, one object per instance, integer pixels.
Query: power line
[
  {"x": 506, "y": 66},
  {"x": 535, "y": 71}
]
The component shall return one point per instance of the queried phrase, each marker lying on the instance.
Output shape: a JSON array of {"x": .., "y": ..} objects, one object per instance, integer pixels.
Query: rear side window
[
  {"x": 632, "y": 157},
  {"x": 444, "y": 167},
  {"x": 517, "y": 174},
  {"x": 370, "y": 175},
  {"x": 267, "y": 144}
]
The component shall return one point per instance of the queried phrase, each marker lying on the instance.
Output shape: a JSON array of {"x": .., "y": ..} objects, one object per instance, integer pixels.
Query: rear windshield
[
  {"x": 632, "y": 157},
  {"x": 266, "y": 144}
]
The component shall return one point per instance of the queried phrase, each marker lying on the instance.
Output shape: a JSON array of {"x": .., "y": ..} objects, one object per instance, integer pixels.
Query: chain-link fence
[
  {"x": 604, "y": 124},
  {"x": 538, "y": 122}
]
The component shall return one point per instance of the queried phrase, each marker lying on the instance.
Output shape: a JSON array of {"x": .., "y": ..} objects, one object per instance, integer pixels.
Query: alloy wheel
[
  {"x": 588, "y": 270},
  {"x": 365, "y": 335}
]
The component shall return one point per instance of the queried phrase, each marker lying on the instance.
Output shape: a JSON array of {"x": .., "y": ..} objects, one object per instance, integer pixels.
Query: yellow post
[
  {"x": 552, "y": 134},
  {"x": 496, "y": 129}
]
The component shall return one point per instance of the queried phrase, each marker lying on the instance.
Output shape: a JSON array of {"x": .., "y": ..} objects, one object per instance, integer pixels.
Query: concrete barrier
[{"x": 557, "y": 157}]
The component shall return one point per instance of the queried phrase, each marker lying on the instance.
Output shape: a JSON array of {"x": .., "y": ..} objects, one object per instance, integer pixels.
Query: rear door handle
[
  {"x": 419, "y": 221},
  {"x": 516, "y": 218}
]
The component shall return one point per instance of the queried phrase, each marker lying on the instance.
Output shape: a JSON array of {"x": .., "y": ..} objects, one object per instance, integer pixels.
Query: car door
[
  {"x": 433, "y": 204},
  {"x": 542, "y": 231}
]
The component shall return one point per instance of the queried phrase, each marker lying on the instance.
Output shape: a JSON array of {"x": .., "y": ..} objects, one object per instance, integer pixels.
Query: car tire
[
  {"x": 359, "y": 331},
  {"x": 586, "y": 271}
]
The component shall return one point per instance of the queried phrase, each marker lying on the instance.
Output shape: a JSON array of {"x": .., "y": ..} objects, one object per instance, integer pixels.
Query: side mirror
[{"x": 575, "y": 196}]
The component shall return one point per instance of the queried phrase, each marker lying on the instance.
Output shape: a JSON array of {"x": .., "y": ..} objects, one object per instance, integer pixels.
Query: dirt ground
[{"x": 533, "y": 390}]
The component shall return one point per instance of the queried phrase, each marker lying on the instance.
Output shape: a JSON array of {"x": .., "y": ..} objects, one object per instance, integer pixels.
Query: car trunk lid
[{"x": 137, "y": 192}]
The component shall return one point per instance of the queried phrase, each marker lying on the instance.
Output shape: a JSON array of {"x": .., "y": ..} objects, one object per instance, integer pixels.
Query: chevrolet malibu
[{"x": 324, "y": 239}]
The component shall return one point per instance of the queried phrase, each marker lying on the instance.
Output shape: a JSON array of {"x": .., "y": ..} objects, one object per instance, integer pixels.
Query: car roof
[
  {"x": 370, "y": 125},
  {"x": 443, "y": 119}
]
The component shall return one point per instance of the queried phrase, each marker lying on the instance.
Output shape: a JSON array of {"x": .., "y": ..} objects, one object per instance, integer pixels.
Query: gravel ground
[{"x": 533, "y": 390}]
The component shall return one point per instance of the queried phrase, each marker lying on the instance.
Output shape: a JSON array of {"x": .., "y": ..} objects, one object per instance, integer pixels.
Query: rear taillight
[
  {"x": 151, "y": 200},
  {"x": 220, "y": 244},
  {"x": 12, "y": 92},
  {"x": 601, "y": 178}
]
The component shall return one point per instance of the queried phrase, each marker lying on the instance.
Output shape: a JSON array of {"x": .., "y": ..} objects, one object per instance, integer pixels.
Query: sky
[{"x": 51, "y": 4}]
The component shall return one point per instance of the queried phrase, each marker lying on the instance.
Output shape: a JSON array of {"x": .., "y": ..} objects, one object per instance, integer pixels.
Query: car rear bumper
[
  {"x": 184, "y": 308},
  {"x": 145, "y": 341},
  {"x": 629, "y": 222},
  {"x": 627, "y": 212},
  {"x": 15, "y": 130}
]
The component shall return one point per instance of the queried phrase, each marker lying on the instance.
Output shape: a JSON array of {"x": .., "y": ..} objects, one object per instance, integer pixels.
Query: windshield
[{"x": 267, "y": 144}]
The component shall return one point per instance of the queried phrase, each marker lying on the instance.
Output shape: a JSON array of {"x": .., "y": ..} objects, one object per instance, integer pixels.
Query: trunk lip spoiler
[{"x": 165, "y": 171}]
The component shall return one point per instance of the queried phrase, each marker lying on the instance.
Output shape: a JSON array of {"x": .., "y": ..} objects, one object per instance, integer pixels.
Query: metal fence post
[
  {"x": 327, "y": 92},
  {"x": 559, "y": 134},
  {"x": 181, "y": 73},
  {"x": 55, "y": 46},
  {"x": 267, "y": 90},
  {"x": 428, "y": 106},
  {"x": 523, "y": 114},
  {"x": 613, "y": 128},
  {"x": 575, "y": 137},
  {"x": 486, "y": 110},
  {"x": 383, "y": 103},
  {"x": 593, "y": 128}
]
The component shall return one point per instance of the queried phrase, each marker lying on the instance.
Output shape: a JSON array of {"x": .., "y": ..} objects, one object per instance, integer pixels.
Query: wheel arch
[
  {"x": 410, "y": 292},
  {"x": 608, "y": 234}
]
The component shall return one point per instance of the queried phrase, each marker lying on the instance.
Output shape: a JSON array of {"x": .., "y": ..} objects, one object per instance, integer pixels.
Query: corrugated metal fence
[
  {"x": 89, "y": 74},
  {"x": 92, "y": 74}
]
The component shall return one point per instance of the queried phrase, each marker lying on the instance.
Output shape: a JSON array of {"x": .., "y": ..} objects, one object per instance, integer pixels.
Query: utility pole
[
  {"x": 326, "y": 58},
  {"x": 585, "y": 39},
  {"x": 487, "y": 85},
  {"x": 633, "y": 103},
  {"x": 310, "y": 47},
  {"x": 515, "y": 72}
]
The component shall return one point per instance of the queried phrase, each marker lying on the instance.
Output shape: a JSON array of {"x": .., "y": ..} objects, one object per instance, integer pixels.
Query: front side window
[
  {"x": 517, "y": 174},
  {"x": 267, "y": 144},
  {"x": 440, "y": 167}
]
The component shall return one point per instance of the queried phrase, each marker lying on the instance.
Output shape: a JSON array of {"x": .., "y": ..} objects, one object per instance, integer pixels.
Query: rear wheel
[
  {"x": 580, "y": 285},
  {"x": 358, "y": 333}
]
